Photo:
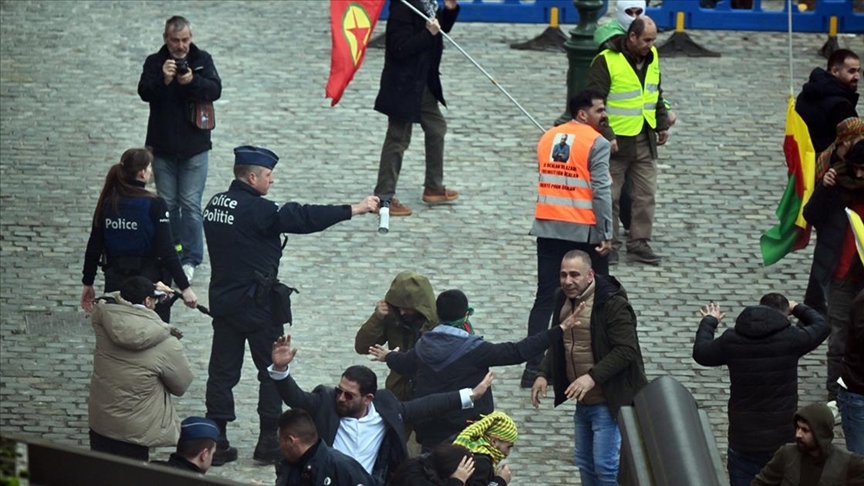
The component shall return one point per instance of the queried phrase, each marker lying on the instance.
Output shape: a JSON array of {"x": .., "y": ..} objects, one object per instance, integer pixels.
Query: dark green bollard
[{"x": 580, "y": 50}]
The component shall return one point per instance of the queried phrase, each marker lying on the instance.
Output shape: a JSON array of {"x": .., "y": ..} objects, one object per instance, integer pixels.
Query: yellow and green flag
[
  {"x": 858, "y": 231},
  {"x": 793, "y": 232}
]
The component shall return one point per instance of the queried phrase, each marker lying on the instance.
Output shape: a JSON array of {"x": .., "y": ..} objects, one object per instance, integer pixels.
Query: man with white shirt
[{"x": 359, "y": 420}]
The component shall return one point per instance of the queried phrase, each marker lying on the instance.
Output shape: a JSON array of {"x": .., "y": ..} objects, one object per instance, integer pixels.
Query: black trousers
[
  {"x": 100, "y": 443},
  {"x": 550, "y": 252},
  {"x": 226, "y": 363}
]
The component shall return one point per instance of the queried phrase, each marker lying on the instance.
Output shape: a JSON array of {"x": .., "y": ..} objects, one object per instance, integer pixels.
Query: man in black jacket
[
  {"x": 598, "y": 364},
  {"x": 173, "y": 81},
  {"x": 762, "y": 353},
  {"x": 451, "y": 357},
  {"x": 410, "y": 92},
  {"x": 828, "y": 98},
  {"x": 244, "y": 238},
  {"x": 359, "y": 420},
  {"x": 836, "y": 264},
  {"x": 309, "y": 461}
]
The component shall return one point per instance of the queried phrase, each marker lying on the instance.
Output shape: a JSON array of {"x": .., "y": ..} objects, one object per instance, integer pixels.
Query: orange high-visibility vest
[{"x": 564, "y": 188}]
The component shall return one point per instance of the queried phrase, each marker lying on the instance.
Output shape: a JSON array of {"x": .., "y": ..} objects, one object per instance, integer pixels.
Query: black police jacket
[
  {"x": 322, "y": 466},
  {"x": 170, "y": 131},
  {"x": 243, "y": 233}
]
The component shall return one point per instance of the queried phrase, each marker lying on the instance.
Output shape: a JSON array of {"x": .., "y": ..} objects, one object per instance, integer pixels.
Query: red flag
[{"x": 351, "y": 25}]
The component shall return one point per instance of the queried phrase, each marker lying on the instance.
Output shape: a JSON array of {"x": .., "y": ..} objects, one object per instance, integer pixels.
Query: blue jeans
[
  {"x": 744, "y": 467},
  {"x": 852, "y": 411},
  {"x": 598, "y": 445},
  {"x": 181, "y": 184}
]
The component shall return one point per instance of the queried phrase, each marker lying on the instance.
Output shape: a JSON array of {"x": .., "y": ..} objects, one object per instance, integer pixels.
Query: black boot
[
  {"x": 224, "y": 452},
  {"x": 267, "y": 450}
]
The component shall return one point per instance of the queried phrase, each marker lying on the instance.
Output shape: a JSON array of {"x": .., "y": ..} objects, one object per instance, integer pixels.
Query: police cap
[
  {"x": 198, "y": 428},
  {"x": 249, "y": 155}
]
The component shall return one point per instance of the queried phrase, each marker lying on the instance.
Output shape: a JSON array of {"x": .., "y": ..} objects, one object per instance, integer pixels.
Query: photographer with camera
[{"x": 180, "y": 82}]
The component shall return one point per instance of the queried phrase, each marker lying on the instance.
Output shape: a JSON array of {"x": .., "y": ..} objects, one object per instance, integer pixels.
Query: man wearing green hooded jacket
[
  {"x": 813, "y": 459},
  {"x": 407, "y": 311}
]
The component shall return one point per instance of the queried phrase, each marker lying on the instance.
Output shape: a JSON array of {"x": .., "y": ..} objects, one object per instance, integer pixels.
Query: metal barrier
[
  {"x": 724, "y": 17},
  {"x": 666, "y": 440},
  {"x": 512, "y": 11},
  {"x": 52, "y": 464}
]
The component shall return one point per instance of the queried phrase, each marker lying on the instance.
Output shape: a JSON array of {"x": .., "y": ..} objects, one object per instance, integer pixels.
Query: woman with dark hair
[
  {"x": 447, "y": 465},
  {"x": 130, "y": 234}
]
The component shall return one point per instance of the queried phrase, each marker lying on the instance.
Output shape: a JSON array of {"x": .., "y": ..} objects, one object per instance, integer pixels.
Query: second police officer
[{"x": 244, "y": 240}]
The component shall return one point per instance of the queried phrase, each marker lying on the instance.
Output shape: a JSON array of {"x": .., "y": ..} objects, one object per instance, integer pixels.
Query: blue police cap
[
  {"x": 198, "y": 428},
  {"x": 249, "y": 155}
]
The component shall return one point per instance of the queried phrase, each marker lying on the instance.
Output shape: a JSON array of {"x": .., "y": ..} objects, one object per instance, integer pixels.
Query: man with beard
[
  {"x": 813, "y": 459},
  {"x": 836, "y": 264},
  {"x": 829, "y": 97},
  {"x": 826, "y": 100},
  {"x": 359, "y": 420},
  {"x": 574, "y": 207},
  {"x": 762, "y": 352},
  {"x": 628, "y": 76}
]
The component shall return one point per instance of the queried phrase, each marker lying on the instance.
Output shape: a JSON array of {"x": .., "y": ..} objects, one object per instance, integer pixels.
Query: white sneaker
[
  {"x": 832, "y": 405},
  {"x": 189, "y": 271}
]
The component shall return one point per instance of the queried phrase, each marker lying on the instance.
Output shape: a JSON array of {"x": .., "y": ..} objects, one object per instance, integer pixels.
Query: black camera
[{"x": 182, "y": 66}]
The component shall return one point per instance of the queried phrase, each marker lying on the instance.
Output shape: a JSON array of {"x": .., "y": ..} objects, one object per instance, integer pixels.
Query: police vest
[
  {"x": 564, "y": 188},
  {"x": 129, "y": 231},
  {"x": 629, "y": 103}
]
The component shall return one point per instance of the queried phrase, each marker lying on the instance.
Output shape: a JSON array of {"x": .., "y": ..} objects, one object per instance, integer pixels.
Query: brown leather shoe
[
  {"x": 398, "y": 209},
  {"x": 438, "y": 197}
]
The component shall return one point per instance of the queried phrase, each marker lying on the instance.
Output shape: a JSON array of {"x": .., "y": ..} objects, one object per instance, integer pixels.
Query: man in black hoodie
[
  {"x": 762, "y": 353},
  {"x": 829, "y": 97},
  {"x": 450, "y": 356},
  {"x": 813, "y": 459}
]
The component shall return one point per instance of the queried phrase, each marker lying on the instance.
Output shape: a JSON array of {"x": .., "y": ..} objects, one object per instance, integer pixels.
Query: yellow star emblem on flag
[{"x": 357, "y": 28}]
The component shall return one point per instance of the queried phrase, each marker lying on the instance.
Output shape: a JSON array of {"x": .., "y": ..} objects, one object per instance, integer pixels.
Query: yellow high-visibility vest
[
  {"x": 564, "y": 187},
  {"x": 629, "y": 103}
]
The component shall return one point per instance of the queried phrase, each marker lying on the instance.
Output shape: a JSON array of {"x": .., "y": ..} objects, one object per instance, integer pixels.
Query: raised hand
[
  {"x": 712, "y": 310},
  {"x": 282, "y": 353},
  {"x": 572, "y": 320}
]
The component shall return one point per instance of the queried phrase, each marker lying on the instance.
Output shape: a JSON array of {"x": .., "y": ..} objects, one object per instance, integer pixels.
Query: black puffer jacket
[
  {"x": 823, "y": 103},
  {"x": 762, "y": 354}
]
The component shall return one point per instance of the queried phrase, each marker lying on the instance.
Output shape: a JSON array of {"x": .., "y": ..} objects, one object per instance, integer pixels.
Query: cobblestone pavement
[{"x": 69, "y": 108}]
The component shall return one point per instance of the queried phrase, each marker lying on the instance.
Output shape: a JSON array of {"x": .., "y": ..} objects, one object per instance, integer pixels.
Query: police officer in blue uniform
[
  {"x": 131, "y": 235},
  {"x": 244, "y": 240}
]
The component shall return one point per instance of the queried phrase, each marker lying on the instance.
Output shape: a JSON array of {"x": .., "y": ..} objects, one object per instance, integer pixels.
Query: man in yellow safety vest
[{"x": 628, "y": 74}]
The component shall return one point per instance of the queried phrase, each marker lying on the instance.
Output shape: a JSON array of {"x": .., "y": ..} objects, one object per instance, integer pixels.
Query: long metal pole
[{"x": 428, "y": 19}]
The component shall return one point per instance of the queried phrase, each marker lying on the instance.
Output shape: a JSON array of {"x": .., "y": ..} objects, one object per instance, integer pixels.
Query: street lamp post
[{"x": 580, "y": 50}]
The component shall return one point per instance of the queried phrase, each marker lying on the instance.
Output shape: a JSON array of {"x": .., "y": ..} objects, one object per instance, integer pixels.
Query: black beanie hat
[{"x": 451, "y": 305}]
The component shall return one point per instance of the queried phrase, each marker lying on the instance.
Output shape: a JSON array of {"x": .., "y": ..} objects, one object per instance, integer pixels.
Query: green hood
[
  {"x": 411, "y": 290},
  {"x": 821, "y": 422}
]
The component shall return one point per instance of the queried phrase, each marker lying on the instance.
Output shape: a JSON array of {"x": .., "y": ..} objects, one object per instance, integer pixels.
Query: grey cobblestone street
[{"x": 69, "y": 107}]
